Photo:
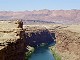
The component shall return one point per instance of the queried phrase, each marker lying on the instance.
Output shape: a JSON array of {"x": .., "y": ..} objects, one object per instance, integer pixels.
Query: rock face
[
  {"x": 67, "y": 41},
  {"x": 12, "y": 40},
  {"x": 38, "y": 36}
]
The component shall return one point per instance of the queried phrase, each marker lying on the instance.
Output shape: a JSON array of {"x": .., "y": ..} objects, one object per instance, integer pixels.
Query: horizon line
[{"x": 38, "y": 10}]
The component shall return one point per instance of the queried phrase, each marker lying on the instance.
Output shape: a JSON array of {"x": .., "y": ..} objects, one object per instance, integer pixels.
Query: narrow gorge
[
  {"x": 41, "y": 39},
  {"x": 17, "y": 40},
  {"x": 34, "y": 42}
]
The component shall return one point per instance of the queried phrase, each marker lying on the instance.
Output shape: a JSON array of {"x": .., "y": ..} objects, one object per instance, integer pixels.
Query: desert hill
[{"x": 60, "y": 16}]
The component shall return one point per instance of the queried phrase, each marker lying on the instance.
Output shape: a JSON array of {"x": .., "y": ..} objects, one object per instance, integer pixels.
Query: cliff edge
[
  {"x": 12, "y": 40},
  {"x": 67, "y": 41}
]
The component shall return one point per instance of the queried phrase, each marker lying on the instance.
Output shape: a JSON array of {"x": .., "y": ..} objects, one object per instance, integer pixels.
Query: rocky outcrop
[
  {"x": 67, "y": 41},
  {"x": 37, "y": 36},
  {"x": 12, "y": 40}
]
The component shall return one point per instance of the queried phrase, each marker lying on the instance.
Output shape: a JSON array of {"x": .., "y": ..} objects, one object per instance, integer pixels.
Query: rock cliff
[
  {"x": 12, "y": 40},
  {"x": 67, "y": 41},
  {"x": 37, "y": 35}
]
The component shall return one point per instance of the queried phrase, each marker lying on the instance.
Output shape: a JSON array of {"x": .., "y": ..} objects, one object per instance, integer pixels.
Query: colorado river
[{"x": 42, "y": 53}]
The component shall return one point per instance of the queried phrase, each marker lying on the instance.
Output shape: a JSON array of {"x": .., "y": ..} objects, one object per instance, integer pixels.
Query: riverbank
[
  {"x": 54, "y": 52},
  {"x": 29, "y": 52},
  {"x": 42, "y": 53}
]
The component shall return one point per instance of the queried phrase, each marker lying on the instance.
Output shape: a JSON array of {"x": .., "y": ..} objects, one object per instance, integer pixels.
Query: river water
[{"x": 42, "y": 53}]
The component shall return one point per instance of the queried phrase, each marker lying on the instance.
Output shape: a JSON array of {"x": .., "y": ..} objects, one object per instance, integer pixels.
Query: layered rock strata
[
  {"x": 12, "y": 40},
  {"x": 37, "y": 35},
  {"x": 67, "y": 41}
]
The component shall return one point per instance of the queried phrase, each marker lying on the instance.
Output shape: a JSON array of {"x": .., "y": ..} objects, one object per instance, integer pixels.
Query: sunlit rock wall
[
  {"x": 67, "y": 41},
  {"x": 12, "y": 40}
]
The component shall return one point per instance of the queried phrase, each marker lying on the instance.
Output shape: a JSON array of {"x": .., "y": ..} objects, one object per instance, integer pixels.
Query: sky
[{"x": 22, "y": 5}]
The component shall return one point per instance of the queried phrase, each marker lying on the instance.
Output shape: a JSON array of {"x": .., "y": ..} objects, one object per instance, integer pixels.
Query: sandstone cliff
[
  {"x": 37, "y": 35},
  {"x": 12, "y": 40},
  {"x": 67, "y": 41}
]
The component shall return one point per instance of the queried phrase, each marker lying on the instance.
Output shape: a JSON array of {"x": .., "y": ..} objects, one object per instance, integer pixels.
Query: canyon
[{"x": 15, "y": 39}]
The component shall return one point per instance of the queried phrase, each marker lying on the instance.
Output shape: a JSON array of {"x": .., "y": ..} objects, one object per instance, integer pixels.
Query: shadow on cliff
[{"x": 40, "y": 38}]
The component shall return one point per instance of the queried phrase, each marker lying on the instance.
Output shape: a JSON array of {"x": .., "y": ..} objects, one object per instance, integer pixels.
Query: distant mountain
[{"x": 61, "y": 16}]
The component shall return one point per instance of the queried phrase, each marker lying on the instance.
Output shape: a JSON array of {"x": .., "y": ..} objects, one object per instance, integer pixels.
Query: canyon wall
[
  {"x": 12, "y": 40},
  {"x": 67, "y": 41},
  {"x": 38, "y": 36}
]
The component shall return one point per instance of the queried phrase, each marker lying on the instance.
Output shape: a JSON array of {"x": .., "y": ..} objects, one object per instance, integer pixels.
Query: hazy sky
[{"x": 20, "y": 5}]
